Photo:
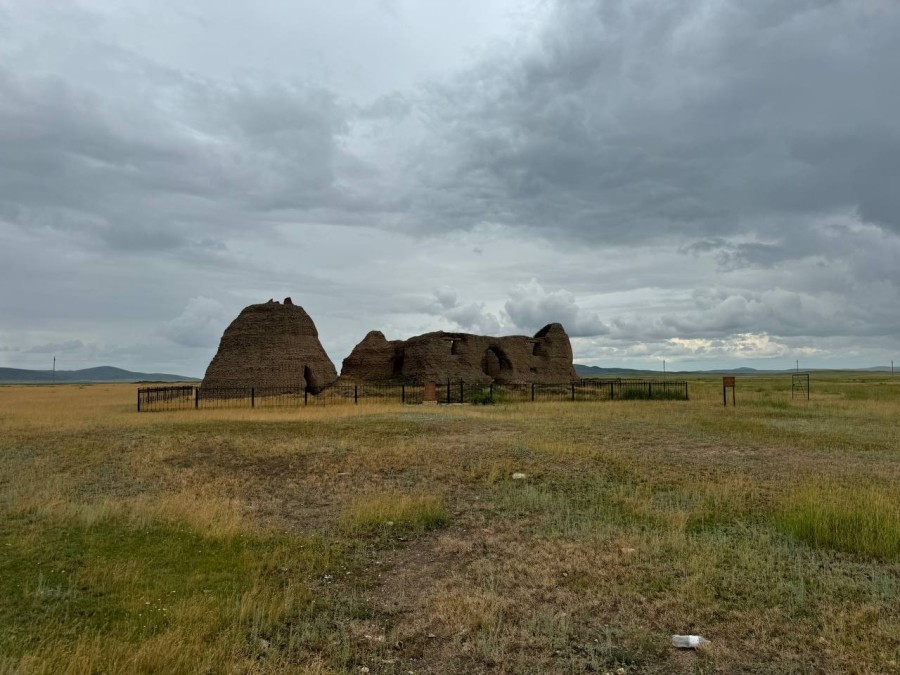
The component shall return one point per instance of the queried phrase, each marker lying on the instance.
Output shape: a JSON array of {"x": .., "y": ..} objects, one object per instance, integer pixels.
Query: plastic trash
[{"x": 689, "y": 641}]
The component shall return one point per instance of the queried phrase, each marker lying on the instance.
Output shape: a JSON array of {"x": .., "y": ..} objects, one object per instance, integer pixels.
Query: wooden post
[
  {"x": 252, "y": 397},
  {"x": 448, "y": 390},
  {"x": 462, "y": 395},
  {"x": 356, "y": 393},
  {"x": 532, "y": 391},
  {"x": 402, "y": 393},
  {"x": 305, "y": 394},
  {"x": 139, "y": 400},
  {"x": 573, "y": 391},
  {"x": 491, "y": 390},
  {"x": 728, "y": 382},
  {"x": 196, "y": 397},
  {"x": 649, "y": 390}
]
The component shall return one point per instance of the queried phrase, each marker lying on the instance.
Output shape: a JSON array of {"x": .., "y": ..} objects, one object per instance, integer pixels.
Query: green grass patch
[
  {"x": 865, "y": 521},
  {"x": 595, "y": 503},
  {"x": 65, "y": 585},
  {"x": 395, "y": 511}
]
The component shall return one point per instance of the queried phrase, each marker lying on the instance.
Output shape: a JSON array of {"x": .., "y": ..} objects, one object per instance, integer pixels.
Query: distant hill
[
  {"x": 98, "y": 374},
  {"x": 595, "y": 371}
]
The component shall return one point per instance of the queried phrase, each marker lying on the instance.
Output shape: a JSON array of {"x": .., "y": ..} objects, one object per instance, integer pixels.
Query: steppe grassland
[{"x": 392, "y": 537}]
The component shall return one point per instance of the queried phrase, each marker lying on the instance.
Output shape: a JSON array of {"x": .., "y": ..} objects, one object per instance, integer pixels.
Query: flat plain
[{"x": 393, "y": 539}]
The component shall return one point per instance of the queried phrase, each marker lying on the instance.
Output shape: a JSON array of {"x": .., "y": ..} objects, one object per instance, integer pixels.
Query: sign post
[
  {"x": 430, "y": 393},
  {"x": 726, "y": 383}
]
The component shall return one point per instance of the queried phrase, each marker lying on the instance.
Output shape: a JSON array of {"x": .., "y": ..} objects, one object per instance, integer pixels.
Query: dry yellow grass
[{"x": 258, "y": 540}]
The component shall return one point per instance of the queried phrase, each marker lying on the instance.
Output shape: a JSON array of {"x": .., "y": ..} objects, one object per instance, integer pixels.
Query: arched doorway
[{"x": 495, "y": 362}]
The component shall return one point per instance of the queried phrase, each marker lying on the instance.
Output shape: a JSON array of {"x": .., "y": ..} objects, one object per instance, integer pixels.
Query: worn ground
[{"x": 393, "y": 538}]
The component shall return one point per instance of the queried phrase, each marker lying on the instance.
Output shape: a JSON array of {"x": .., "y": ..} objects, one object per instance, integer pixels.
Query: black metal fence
[{"x": 187, "y": 397}]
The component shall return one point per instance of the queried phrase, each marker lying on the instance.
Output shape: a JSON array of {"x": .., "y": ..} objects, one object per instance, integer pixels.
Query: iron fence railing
[{"x": 185, "y": 397}]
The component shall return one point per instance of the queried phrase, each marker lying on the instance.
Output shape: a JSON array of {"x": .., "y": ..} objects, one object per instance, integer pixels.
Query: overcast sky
[{"x": 711, "y": 182}]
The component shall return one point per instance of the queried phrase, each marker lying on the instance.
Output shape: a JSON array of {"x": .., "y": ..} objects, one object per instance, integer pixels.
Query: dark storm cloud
[
  {"x": 641, "y": 120},
  {"x": 628, "y": 121},
  {"x": 155, "y": 160}
]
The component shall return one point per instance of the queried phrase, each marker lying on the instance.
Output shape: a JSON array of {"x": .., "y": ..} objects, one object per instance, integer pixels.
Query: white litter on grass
[
  {"x": 519, "y": 476},
  {"x": 689, "y": 641}
]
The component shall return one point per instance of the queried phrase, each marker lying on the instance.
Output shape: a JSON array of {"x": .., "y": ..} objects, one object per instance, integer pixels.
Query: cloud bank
[{"x": 698, "y": 181}]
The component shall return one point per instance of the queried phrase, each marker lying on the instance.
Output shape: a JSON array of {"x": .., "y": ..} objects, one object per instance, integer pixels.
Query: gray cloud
[
  {"x": 52, "y": 347},
  {"x": 643, "y": 120},
  {"x": 199, "y": 325},
  {"x": 166, "y": 160},
  {"x": 702, "y": 180},
  {"x": 531, "y": 308},
  {"x": 473, "y": 316}
]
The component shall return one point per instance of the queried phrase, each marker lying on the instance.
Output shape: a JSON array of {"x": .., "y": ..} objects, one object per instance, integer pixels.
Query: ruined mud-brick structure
[
  {"x": 476, "y": 359},
  {"x": 271, "y": 345}
]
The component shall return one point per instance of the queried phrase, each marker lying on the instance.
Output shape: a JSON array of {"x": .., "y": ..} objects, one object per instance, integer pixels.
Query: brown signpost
[
  {"x": 430, "y": 393},
  {"x": 726, "y": 383}
]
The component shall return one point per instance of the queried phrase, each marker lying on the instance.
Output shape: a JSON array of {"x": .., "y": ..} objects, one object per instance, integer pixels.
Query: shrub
[
  {"x": 644, "y": 393},
  {"x": 483, "y": 398},
  {"x": 633, "y": 394}
]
